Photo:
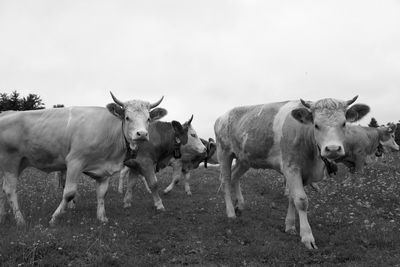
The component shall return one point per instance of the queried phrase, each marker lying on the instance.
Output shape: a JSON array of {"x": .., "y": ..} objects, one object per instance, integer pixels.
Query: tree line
[{"x": 15, "y": 101}]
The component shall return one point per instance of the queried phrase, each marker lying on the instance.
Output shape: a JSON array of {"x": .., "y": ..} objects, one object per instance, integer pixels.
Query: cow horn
[
  {"x": 349, "y": 102},
  {"x": 190, "y": 120},
  {"x": 116, "y": 100},
  {"x": 307, "y": 104},
  {"x": 156, "y": 103}
]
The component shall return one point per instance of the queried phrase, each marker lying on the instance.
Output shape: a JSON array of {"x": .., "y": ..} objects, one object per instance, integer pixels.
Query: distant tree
[
  {"x": 31, "y": 102},
  {"x": 397, "y": 133},
  {"x": 58, "y": 106},
  {"x": 373, "y": 123},
  {"x": 15, "y": 102}
]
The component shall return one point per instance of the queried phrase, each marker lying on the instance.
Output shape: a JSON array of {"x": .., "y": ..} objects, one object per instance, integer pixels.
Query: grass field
[{"x": 355, "y": 221}]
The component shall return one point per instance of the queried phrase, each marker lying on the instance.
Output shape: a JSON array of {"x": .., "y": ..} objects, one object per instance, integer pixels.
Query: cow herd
[{"x": 302, "y": 140}]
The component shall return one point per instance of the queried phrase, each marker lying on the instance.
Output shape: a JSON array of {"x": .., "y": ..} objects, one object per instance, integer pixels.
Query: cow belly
[
  {"x": 45, "y": 162},
  {"x": 102, "y": 169}
]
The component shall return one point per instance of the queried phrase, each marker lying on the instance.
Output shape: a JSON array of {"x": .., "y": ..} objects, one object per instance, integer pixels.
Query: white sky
[{"x": 204, "y": 56}]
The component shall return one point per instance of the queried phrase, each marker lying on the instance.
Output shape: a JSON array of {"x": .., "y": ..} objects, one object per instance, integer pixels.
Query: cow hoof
[
  {"x": 291, "y": 231},
  {"x": 127, "y": 205},
  {"x": 231, "y": 217},
  {"x": 162, "y": 209},
  {"x": 103, "y": 219},
  {"x": 166, "y": 192},
  {"x": 71, "y": 205},
  {"x": 309, "y": 242},
  {"x": 52, "y": 222},
  {"x": 189, "y": 193},
  {"x": 238, "y": 212},
  {"x": 20, "y": 221}
]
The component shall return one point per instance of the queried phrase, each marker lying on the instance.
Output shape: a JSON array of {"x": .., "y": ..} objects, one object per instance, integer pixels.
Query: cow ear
[
  {"x": 211, "y": 148},
  {"x": 302, "y": 115},
  {"x": 157, "y": 113},
  {"x": 116, "y": 110},
  {"x": 356, "y": 112},
  {"x": 178, "y": 127},
  {"x": 181, "y": 132}
]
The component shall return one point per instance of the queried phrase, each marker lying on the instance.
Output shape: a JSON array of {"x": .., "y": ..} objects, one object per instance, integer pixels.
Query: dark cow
[
  {"x": 291, "y": 137},
  {"x": 90, "y": 140},
  {"x": 167, "y": 140},
  {"x": 183, "y": 168},
  {"x": 180, "y": 168}
]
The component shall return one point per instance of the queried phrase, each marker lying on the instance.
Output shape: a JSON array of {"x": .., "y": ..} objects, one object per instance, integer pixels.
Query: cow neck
[
  {"x": 374, "y": 135},
  {"x": 330, "y": 166},
  {"x": 167, "y": 146},
  {"x": 130, "y": 154},
  {"x": 177, "y": 147}
]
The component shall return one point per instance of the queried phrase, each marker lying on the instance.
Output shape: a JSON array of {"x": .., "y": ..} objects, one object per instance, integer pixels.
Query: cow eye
[
  {"x": 148, "y": 120},
  {"x": 127, "y": 118},
  {"x": 344, "y": 124},
  {"x": 316, "y": 126},
  {"x": 193, "y": 135}
]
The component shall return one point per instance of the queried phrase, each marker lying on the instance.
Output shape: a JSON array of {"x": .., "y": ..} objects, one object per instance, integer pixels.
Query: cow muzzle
[
  {"x": 332, "y": 152},
  {"x": 141, "y": 136}
]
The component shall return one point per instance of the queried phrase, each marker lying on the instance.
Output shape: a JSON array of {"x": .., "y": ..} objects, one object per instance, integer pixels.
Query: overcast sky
[{"x": 205, "y": 57}]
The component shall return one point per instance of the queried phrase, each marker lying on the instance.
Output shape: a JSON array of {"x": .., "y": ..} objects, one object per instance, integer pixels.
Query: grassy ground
[{"x": 355, "y": 221}]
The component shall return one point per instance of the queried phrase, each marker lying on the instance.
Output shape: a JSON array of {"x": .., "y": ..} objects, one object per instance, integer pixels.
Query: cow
[
  {"x": 296, "y": 138},
  {"x": 362, "y": 144},
  {"x": 180, "y": 168},
  {"x": 90, "y": 140},
  {"x": 167, "y": 140}
]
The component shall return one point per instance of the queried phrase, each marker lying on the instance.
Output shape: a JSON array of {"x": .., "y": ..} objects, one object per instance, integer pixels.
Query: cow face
[
  {"x": 191, "y": 145},
  {"x": 136, "y": 116},
  {"x": 211, "y": 147},
  {"x": 387, "y": 138},
  {"x": 328, "y": 118}
]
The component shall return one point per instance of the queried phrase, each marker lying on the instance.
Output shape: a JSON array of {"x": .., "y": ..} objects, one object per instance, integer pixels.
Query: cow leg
[
  {"x": 290, "y": 226},
  {"x": 10, "y": 180},
  {"x": 176, "y": 176},
  {"x": 186, "y": 175},
  {"x": 132, "y": 178},
  {"x": 296, "y": 192},
  {"x": 101, "y": 191},
  {"x": 71, "y": 204},
  {"x": 153, "y": 185},
  {"x": 70, "y": 188},
  {"x": 359, "y": 163},
  {"x": 146, "y": 185},
  {"x": 237, "y": 172},
  {"x": 225, "y": 169},
  {"x": 3, "y": 200},
  {"x": 122, "y": 177}
]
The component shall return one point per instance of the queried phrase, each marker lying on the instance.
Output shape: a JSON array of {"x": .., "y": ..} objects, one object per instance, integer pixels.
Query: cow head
[
  {"x": 387, "y": 137},
  {"x": 211, "y": 147},
  {"x": 191, "y": 146},
  {"x": 328, "y": 118},
  {"x": 136, "y": 116}
]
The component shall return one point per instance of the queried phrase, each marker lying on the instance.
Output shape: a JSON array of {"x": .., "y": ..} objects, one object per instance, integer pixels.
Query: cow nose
[
  {"x": 142, "y": 134},
  {"x": 333, "y": 148}
]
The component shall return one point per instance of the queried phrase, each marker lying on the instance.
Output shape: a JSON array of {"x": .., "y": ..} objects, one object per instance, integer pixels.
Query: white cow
[{"x": 291, "y": 137}]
